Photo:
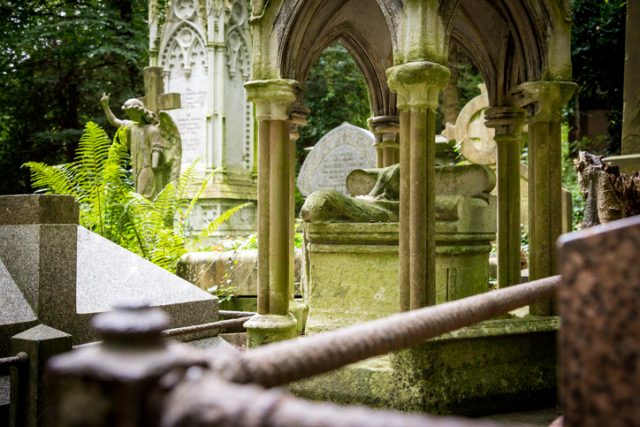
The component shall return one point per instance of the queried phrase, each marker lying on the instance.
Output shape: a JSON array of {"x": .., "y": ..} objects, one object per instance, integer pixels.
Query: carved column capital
[
  {"x": 417, "y": 84},
  {"x": 385, "y": 129},
  {"x": 544, "y": 100},
  {"x": 506, "y": 121},
  {"x": 273, "y": 98},
  {"x": 298, "y": 115}
]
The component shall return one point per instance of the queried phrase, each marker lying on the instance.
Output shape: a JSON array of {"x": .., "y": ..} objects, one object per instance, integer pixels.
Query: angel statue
[{"x": 154, "y": 142}]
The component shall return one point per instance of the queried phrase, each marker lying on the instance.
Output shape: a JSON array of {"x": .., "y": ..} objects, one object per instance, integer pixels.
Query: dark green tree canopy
[
  {"x": 598, "y": 51},
  {"x": 56, "y": 57},
  {"x": 335, "y": 92}
]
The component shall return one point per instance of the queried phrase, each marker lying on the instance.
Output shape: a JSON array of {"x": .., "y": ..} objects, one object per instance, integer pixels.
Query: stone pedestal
[
  {"x": 496, "y": 366},
  {"x": 267, "y": 328}
]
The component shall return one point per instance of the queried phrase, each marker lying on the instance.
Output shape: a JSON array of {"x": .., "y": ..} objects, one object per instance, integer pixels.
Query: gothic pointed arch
[
  {"x": 184, "y": 50},
  {"x": 522, "y": 45},
  {"x": 237, "y": 36},
  {"x": 367, "y": 32}
]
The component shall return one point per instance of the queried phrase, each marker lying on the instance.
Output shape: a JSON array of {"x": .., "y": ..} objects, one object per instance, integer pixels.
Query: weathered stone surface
[
  {"x": 475, "y": 139},
  {"x": 15, "y": 312},
  {"x": 38, "y": 209},
  {"x": 464, "y": 180},
  {"x": 216, "y": 121},
  {"x": 340, "y": 151},
  {"x": 350, "y": 270},
  {"x": 126, "y": 276},
  {"x": 235, "y": 269},
  {"x": 269, "y": 328},
  {"x": 495, "y": 366}
]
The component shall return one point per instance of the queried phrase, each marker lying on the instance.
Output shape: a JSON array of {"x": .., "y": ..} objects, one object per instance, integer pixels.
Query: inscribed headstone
[{"x": 339, "y": 152}]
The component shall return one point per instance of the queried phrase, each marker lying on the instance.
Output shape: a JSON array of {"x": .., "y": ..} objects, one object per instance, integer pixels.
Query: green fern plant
[{"x": 99, "y": 181}]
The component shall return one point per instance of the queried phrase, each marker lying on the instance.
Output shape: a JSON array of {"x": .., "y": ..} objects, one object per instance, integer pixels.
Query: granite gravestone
[{"x": 339, "y": 152}]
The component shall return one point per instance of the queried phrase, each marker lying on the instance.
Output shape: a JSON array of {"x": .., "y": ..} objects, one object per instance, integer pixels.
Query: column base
[
  {"x": 268, "y": 328},
  {"x": 300, "y": 311}
]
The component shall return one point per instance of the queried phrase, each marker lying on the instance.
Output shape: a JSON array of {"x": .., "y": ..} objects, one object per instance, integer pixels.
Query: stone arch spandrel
[
  {"x": 306, "y": 28},
  {"x": 528, "y": 40}
]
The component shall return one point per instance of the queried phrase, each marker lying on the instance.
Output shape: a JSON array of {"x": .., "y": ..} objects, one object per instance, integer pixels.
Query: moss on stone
[{"x": 496, "y": 366}]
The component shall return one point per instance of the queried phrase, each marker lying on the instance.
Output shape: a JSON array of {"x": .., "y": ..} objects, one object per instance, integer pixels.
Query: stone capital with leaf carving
[
  {"x": 418, "y": 84},
  {"x": 544, "y": 100},
  {"x": 273, "y": 98}
]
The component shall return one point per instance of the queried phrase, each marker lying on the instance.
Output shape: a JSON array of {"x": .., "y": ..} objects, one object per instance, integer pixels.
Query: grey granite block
[
  {"x": 16, "y": 314},
  {"x": 38, "y": 209}
]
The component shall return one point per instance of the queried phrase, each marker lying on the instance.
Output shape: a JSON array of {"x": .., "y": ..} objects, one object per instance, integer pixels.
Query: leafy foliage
[
  {"x": 56, "y": 57},
  {"x": 109, "y": 206},
  {"x": 336, "y": 92},
  {"x": 598, "y": 43}
]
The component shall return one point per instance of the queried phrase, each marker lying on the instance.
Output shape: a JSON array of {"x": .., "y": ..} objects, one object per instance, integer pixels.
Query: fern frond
[
  {"x": 52, "y": 179},
  {"x": 91, "y": 156},
  {"x": 203, "y": 187}
]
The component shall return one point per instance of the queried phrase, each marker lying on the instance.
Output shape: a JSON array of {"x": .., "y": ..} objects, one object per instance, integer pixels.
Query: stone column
[
  {"x": 272, "y": 99},
  {"x": 507, "y": 122},
  {"x": 385, "y": 129},
  {"x": 631, "y": 99},
  {"x": 298, "y": 117},
  {"x": 544, "y": 101},
  {"x": 417, "y": 85}
]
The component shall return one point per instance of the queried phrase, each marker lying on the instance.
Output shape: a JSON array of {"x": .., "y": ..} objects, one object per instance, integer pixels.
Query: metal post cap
[{"x": 131, "y": 321}]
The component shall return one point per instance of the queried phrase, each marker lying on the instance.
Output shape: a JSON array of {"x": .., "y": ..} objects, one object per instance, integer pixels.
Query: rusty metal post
[
  {"x": 599, "y": 341},
  {"x": 121, "y": 381}
]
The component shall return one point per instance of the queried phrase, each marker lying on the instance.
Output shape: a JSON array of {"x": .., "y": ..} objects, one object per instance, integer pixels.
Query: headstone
[
  {"x": 204, "y": 50},
  {"x": 342, "y": 150}
]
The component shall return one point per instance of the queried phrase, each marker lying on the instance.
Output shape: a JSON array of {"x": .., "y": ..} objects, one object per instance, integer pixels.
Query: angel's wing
[{"x": 170, "y": 134}]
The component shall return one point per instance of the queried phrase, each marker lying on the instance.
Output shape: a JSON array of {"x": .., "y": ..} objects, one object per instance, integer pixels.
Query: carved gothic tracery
[
  {"x": 238, "y": 56},
  {"x": 185, "y": 48}
]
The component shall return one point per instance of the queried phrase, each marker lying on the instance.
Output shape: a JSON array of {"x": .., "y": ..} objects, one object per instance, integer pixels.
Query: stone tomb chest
[
  {"x": 350, "y": 275},
  {"x": 350, "y": 269}
]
